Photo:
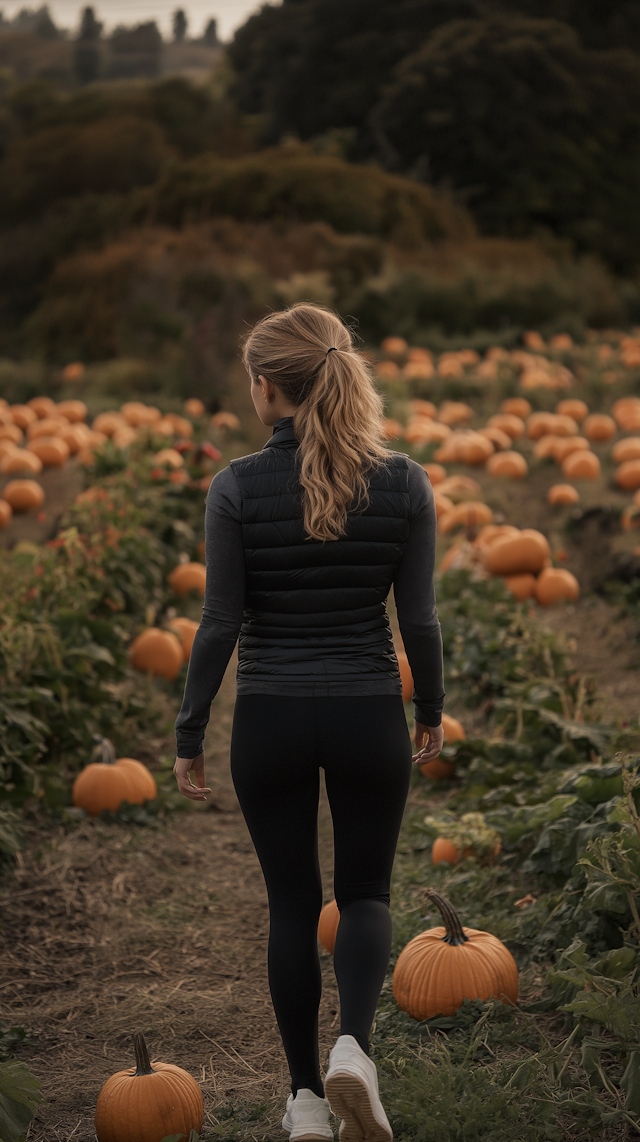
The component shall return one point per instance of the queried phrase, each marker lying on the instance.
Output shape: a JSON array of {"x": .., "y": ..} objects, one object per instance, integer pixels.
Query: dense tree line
[{"x": 528, "y": 110}]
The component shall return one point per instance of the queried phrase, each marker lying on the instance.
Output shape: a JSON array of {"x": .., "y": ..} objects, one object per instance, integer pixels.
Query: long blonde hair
[{"x": 338, "y": 411}]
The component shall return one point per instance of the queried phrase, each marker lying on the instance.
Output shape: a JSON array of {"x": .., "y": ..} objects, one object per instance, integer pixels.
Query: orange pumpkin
[
  {"x": 22, "y": 415},
  {"x": 20, "y": 460},
  {"x": 565, "y": 426},
  {"x": 562, "y": 494},
  {"x": 48, "y": 426},
  {"x": 454, "y": 412},
  {"x": 627, "y": 449},
  {"x": 443, "y": 966},
  {"x": 106, "y": 783},
  {"x": 188, "y": 577},
  {"x": 108, "y": 422},
  {"x": 460, "y": 488},
  {"x": 157, "y": 652},
  {"x": 598, "y": 426},
  {"x": 435, "y": 472},
  {"x": 515, "y": 555},
  {"x": 394, "y": 346},
  {"x": 474, "y": 448},
  {"x": 388, "y": 370},
  {"x": 75, "y": 411},
  {"x": 6, "y": 512},
  {"x": 169, "y": 457},
  {"x": 405, "y": 675},
  {"x": 328, "y": 926},
  {"x": 545, "y": 446},
  {"x": 186, "y": 631},
  {"x": 540, "y": 424},
  {"x": 74, "y": 437},
  {"x": 42, "y": 406},
  {"x": 516, "y": 406},
  {"x": 421, "y": 370},
  {"x": 391, "y": 429},
  {"x": 74, "y": 371},
  {"x": 489, "y": 535},
  {"x": 472, "y": 513},
  {"x": 581, "y": 465},
  {"x": 507, "y": 422},
  {"x": 572, "y": 407},
  {"x": 194, "y": 407},
  {"x": 51, "y": 450},
  {"x": 628, "y": 475},
  {"x": 423, "y": 408},
  {"x": 521, "y": 586},
  {"x": 12, "y": 433},
  {"x": 554, "y": 583},
  {"x": 124, "y": 436},
  {"x": 23, "y": 495},
  {"x": 565, "y": 445},
  {"x": 511, "y": 465},
  {"x": 442, "y": 504},
  {"x": 501, "y": 442},
  {"x": 624, "y": 411},
  {"x": 443, "y": 850},
  {"x": 148, "y": 1103},
  {"x": 228, "y": 420}
]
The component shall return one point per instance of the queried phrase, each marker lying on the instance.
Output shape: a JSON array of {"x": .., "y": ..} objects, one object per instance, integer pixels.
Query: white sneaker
[
  {"x": 306, "y": 1118},
  {"x": 351, "y": 1086}
]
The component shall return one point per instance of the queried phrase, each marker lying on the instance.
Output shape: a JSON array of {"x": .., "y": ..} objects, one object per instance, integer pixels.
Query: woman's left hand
[
  {"x": 182, "y": 768},
  {"x": 429, "y": 742}
]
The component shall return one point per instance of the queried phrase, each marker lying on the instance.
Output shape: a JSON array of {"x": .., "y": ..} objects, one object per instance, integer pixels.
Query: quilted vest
[{"x": 315, "y": 613}]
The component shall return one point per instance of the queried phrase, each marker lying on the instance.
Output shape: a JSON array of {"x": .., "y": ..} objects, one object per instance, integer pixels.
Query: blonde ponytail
[{"x": 309, "y": 354}]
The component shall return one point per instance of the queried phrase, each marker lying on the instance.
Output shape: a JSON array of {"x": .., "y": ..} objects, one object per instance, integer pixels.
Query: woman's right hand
[
  {"x": 429, "y": 741},
  {"x": 182, "y": 769}
]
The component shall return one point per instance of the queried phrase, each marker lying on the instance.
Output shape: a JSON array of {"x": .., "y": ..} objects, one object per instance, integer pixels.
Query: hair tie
[{"x": 331, "y": 350}]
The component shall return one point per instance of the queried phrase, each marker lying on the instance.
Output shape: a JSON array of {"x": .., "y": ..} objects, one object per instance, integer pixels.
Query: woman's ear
[{"x": 267, "y": 388}]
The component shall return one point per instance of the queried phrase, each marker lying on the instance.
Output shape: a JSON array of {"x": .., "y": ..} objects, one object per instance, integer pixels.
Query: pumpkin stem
[
  {"x": 143, "y": 1066},
  {"x": 104, "y": 751},
  {"x": 453, "y": 928}
]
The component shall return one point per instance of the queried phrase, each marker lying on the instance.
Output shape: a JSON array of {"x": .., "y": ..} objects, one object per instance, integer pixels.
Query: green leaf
[
  {"x": 20, "y": 1097},
  {"x": 630, "y": 1082}
]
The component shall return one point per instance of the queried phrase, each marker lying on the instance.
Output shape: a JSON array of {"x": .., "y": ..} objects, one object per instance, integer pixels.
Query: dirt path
[{"x": 114, "y": 929}]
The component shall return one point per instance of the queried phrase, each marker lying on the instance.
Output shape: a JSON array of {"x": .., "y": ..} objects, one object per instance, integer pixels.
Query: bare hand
[
  {"x": 182, "y": 768},
  {"x": 429, "y": 741}
]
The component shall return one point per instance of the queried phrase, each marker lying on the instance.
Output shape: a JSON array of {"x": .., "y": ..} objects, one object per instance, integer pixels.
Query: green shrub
[
  {"x": 296, "y": 184},
  {"x": 111, "y": 155}
]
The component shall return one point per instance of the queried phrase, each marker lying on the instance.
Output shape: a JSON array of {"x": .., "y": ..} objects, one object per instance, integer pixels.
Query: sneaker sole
[
  {"x": 351, "y": 1100},
  {"x": 312, "y": 1136},
  {"x": 309, "y": 1135}
]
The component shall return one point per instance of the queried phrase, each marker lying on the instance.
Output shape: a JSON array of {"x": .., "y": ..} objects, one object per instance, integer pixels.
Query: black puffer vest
[{"x": 315, "y": 613}]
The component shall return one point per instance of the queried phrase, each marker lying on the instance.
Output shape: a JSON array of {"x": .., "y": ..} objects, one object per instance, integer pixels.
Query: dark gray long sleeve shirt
[{"x": 223, "y": 610}]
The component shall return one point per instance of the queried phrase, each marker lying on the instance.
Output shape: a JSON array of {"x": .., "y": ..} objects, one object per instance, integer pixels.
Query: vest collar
[{"x": 283, "y": 434}]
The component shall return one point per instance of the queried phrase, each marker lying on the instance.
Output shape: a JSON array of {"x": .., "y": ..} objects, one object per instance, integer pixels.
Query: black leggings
[{"x": 278, "y": 746}]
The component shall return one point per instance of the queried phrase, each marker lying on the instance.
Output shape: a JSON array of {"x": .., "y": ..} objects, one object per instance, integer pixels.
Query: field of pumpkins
[{"x": 512, "y": 1006}]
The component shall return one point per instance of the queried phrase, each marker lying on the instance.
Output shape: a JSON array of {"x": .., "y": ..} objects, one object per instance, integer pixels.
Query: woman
[{"x": 303, "y": 543}]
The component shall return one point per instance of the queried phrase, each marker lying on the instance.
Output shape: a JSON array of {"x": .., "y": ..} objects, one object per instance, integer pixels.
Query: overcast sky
[{"x": 228, "y": 13}]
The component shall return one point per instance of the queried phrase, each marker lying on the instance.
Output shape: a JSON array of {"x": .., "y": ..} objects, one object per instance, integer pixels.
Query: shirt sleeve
[
  {"x": 222, "y": 612},
  {"x": 416, "y": 602}
]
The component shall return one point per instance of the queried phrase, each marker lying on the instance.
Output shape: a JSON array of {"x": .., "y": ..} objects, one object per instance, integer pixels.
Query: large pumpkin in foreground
[
  {"x": 442, "y": 967},
  {"x": 148, "y": 1103},
  {"x": 107, "y": 782}
]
